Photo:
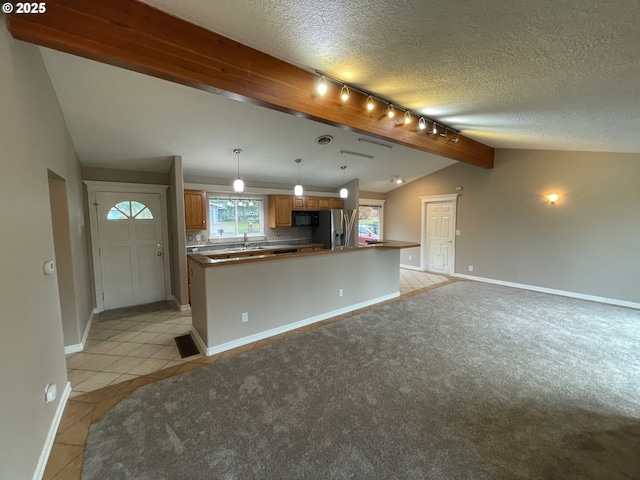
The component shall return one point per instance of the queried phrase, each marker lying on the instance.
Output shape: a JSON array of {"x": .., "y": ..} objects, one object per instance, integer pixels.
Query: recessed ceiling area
[
  {"x": 539, "y": 75},
  {"x": 120, "y": 119}
]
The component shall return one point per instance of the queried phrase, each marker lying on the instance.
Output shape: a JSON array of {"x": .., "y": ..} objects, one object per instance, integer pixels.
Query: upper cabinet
[
  {"x": 280, "y": 207},
  {"x": 305, "y": 203},
  {"x": 337, "y": 203},
  {"x": 195, "y": 209}
]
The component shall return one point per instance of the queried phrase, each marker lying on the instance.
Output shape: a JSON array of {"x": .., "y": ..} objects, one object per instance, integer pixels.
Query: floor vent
[{"x": 186, "y": 346}]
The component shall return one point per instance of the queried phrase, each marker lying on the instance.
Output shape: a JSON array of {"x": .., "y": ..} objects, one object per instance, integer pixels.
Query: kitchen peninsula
[{"x": 241, "y": 299}]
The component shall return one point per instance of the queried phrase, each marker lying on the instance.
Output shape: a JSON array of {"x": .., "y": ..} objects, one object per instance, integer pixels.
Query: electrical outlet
[
  {"x": 197, "y": 238},
  {"x": 410, "y": 257},
  {"x": 341, "y": 292},
  {"x": 245, "y": 317},
  {"x": 471, "y": 268},
  {"x": 278, "y": 233}
]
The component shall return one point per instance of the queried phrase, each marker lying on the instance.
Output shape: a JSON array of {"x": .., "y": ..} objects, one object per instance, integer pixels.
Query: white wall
[
  {"x": 587, "y": 243},
  {"x": 34, "y": 138}
]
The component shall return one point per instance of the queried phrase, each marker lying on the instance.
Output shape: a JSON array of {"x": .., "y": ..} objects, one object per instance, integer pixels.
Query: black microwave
[{"x": 304, "y": 219}]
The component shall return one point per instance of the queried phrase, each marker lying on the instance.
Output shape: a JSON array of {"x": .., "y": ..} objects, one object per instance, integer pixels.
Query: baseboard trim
[
  {"x": 411, "y": 267},
  {"x": 563, "y": 293},
  {"x": 182, "y": 308},
  {"x": 291, "y": 326},
  {"x": 51, "y": 435},
  {"x": 78, "y": 347}
]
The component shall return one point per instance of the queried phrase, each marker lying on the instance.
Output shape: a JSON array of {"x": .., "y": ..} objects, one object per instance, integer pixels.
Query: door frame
[
  {"x": 112, "y": 187},
  {"x": 426, "y": 200}
]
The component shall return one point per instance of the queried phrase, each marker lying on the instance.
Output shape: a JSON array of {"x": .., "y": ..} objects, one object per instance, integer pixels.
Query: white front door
[
  {"x": 439, "y": 223},
  {"x": 131, "y": 248}
]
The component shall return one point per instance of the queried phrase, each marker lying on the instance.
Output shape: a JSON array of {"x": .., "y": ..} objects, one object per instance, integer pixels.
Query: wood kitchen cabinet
[
  {"x": 299, "y": 203},
  {"x": 337, "y": 202},
  {"x": 280, "y": 207},
  {"x": 195, "y": 209},
  {"x": 324, "y": 203},
  {"x": 312, "y": 203},
  {"x": 305, "y": 203}
]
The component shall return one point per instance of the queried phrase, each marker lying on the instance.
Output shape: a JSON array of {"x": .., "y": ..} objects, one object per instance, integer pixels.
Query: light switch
[{"x": 457, "y": 232}]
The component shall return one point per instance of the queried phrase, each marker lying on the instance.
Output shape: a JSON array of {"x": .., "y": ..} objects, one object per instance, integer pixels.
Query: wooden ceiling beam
[{"x": 138, "y": 37}]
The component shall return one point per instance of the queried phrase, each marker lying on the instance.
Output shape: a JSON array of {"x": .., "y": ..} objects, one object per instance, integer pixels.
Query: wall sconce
[{"x": 553, "y": 198}]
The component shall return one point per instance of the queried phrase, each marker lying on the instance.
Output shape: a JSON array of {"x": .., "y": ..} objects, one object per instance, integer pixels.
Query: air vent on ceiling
[{"x": 324, "y": 139}]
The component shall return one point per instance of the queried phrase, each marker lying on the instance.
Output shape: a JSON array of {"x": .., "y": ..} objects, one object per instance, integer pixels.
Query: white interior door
[
  {"x": 439, "y": 237},
  {"x": 131, "y": 248}
]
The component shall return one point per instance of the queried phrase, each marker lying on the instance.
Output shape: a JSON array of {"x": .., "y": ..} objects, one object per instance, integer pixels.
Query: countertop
[{"x": 204, "y": 259}]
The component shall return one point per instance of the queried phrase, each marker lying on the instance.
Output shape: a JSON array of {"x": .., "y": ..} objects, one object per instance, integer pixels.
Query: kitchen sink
[{"x": 239, "y": 249}]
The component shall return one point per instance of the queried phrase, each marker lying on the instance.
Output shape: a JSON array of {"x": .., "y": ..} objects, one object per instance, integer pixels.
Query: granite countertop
[{"x": 207, "y": 258}]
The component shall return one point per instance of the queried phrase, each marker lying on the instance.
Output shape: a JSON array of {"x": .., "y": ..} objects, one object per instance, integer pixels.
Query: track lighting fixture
[
  {"x": 238, "y": 185},
  {"x": 390, "y": 111},
  {"x": 398, "y": 179},
  {"x": 344, "y": 193},
  {"x": 344, "y": 93},
  {"x": 322, "y": 85},
  {"x": 297, "y": 190}
]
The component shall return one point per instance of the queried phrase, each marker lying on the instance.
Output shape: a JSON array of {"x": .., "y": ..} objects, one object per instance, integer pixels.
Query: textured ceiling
[{"x": 537, "y": 74}]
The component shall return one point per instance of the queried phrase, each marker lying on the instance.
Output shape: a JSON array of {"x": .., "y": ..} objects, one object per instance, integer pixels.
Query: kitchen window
[
  {"x": 233, "y": 217},
  {"x": 369, "y": 220}
]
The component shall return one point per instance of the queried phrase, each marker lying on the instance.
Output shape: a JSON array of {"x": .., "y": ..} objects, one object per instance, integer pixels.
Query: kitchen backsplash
[{"x": 297, "y": 233}]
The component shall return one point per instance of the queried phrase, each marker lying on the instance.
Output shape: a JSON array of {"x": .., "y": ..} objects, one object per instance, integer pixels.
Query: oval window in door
[{"x": 129, "y": 209}]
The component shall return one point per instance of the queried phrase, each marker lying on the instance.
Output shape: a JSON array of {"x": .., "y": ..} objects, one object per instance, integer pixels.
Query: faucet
[{"x": 245, "y": 239}]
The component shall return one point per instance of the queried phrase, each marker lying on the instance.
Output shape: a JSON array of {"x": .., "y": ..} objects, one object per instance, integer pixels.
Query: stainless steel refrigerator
[{"x": 332, "y": 229}]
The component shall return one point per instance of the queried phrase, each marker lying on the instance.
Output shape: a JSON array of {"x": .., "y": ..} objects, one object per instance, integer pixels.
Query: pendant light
[
  {"x": 238, "y": 184},
  {"x": 297, "y": 190},
  {"x": 344, "y": 193}
]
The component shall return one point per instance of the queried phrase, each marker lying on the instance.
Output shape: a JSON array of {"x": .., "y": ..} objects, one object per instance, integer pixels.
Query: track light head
[
  {"x": 391, "y": 111},
  {"x": 370, "y": 103},
  {"x": 344, "y": 93},
  {"x": 322, "y": 85}
]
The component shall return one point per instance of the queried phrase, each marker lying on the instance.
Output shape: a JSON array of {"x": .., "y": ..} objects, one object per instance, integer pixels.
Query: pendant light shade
[
  {"x": 298, "y": 190},
  {"x": 238, "y": 184},
  {"x": 344, "y": 193}
]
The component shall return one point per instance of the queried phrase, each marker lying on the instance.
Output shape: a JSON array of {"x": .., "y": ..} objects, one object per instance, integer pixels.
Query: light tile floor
[
  {"x": 411, "y": 280},
  {"x": 123, "y": 349},
  {"x": 131, "y": 347}
]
